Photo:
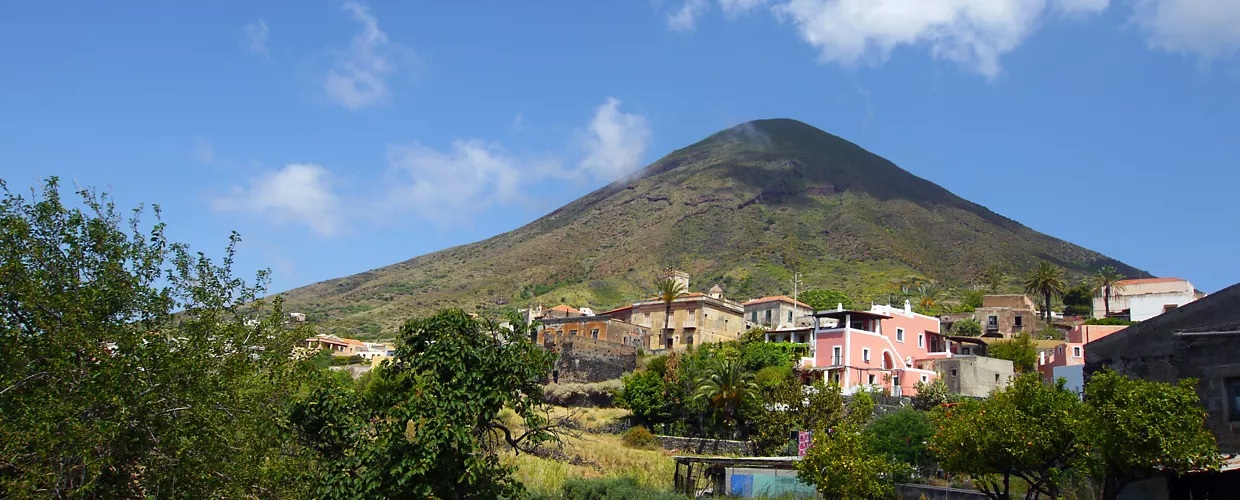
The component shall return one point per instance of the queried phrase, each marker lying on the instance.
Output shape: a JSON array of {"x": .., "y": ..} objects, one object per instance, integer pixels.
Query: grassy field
[{"x": 650, "y": 468}]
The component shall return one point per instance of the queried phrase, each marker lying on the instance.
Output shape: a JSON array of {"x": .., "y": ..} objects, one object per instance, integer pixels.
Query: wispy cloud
[
  {"x": 254, "y": 37},
  {"x": 616, "y": 141},
  {"x": 300, "y": 193},
  {"x": 202, "y": 152},
  {"x": 1208, "y": 29},
  {"x": 449, "y": 187},
  {"x": 685, "y": 18},
  {"x": 359, "y": 77}
]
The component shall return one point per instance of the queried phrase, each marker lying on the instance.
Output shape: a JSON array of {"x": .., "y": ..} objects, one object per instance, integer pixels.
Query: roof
[
  {"x": 777, "y": 298},
  {"x": 616, "y": 310},
  {"x": 565, "y": 308},
  {"x": 1144, "y": 281},
  {"x": 840, "y": 314}
]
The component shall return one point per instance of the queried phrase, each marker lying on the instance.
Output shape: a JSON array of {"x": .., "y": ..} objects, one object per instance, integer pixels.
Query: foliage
[
  {"x": 1079, "y": 300},
  {"x": 928, "y": 296},
  {"x": 792, "y": 407},
  {"x": 1138, "y": 428},
  {"x": 967, "y": 327},
  {"x": 1106, "y": 283},
  {"x": 639, "y": 436},
  {"x": 902, "y": 437},
  {"x": 646, "y": 395},
  {"x": 133, "y": 367},
  {"x": 1028, "y": 430},
  {"x": 347, "y": 360},
  {"x": 772, "y": 376},
  {"x": 757, "y": 356},
  {"x": 428, "y": 425},
  {"x": 726, "y": 386},
  {"x": 1109, "y": 321},
  {"x": 933, "y": 394},
  {"x": 1021, "y": 350},
  {"x": 623, "y": 488},
  {"x": 994, "y": 278},
  {"x": 840, "y": 463},
  {"x": 1046, "y": 281},
  {"x": 753, "y": 335},
  {"x": 972, "y": 300},
  {"x": 823, "y": 300},
  {"x": 1049, "y": 332},
  {"x": 601, "y": 394},
  {"x": 668, "y": 290}
]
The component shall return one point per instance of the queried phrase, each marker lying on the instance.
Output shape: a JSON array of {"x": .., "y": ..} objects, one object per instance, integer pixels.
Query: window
[
  {"x": 921, "y": 340},
  {"x": 689, "y": 340},
  {"x": 572, "y": 333},
  {"x": 768, "y": 316},
  {"x": 966, "y": 351},
  {"x": 1059, "y": 349},
  {"x": 594, "y": 334},
  {"x": 996, "y": 378},
  {"x": 836, "y": 358},
  {"x": 1076, "y": 351},
  {"x": 789, "y": 316},
  {"x": 1018, "y": 322},
  {"x": 865, "y": 355},
  {"x": 1169, "y": 307},
  {"x": 899, "y": 335},
  {"x": 924, "y": 379},
  {"x": 953, "y": 372},
  {"x": 1233, "y": 398},
  {"x": 992, "y": 321},
  {"x": 871, "y": 380},
  {"x": 754, "y": 317}
]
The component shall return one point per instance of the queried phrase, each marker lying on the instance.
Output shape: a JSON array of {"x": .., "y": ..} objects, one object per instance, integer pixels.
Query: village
[{"x": 1137, "y": 327}]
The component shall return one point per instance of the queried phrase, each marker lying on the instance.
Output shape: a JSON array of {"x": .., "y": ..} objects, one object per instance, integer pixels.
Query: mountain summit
[{"x": 745, "y": 208}]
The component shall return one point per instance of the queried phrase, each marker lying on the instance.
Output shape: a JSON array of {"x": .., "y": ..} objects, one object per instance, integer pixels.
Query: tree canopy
[
  {"x": 1046, "y": 281},
  {"x": 1021, "y": 350},
  {"x": 822, "y": 300}
]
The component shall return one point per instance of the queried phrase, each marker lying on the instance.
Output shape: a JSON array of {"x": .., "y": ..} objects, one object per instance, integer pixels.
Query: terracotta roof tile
[
  {"x": 1143, "y": 281},
  {"x": 773, "y": 298}
]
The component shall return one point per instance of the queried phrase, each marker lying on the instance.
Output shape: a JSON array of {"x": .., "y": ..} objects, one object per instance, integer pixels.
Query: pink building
[
  {"x": 885, "y": 347},
  {"x": 1072, "y": 352}
]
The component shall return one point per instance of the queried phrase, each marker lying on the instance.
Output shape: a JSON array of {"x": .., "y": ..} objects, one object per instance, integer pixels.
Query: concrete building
[
  {"x": 1199, "y": 340},
  {"x": 338, "y": 346},
  {"x": 778, "y": 312},
  {"x": 974, "y": 376},
  {"x": 875, "y": 349},
  {"x": 1067, "y": 359},
  {"x": 1142, "y": 299},
  {"x": 1001, "y": 316}
]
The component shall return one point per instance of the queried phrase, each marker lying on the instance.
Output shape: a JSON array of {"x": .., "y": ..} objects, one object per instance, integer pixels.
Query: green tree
[
  {"x": 726, "y": 386},
  {"x": 668, "y": 290},
  {"x": 430, "y": 425},
  {"x": 840, "y": 464},
  {"x": 792, "y": 407},
  {"x": 927, "y": 296},
  {"x": 132, "y": 367},
  {"x": 1079, "y": 300},
  {"x": 1107, "y": 283},
  {"x": 1021, "y": 350},
  {"x": 1047, "y": 282},
  {"x": 902, "y": 437},
  {"x": 994, "y": 277},
  {"x": 933, "y": 394},
  {"x": 823, "y": 300},
  {"x": 1029, "y": 430},
  {"x": 646, "y": 395},
  {"x": 1138, "y": 428},
  {"x": 967, "y": 327},
  {"x": 972, "y": 300},
  {"x": 757, "y": 356}
]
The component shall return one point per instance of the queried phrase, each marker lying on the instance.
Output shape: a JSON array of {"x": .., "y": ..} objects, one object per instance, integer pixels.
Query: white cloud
[
  {"x": 685, "y": 19},
  {"x": 202, "y": 151},
  {"x": 616, "y": 141},
  {"x": 449, "y": 187},
  {"x": 254, "y": 37},
  {"x": 1205, "y": 28},
  {"x": 1081, "y": 6},
  {"x": 360, "y": 75},
  {"x": 301, "y": 193},
  {"x": 733, "y": 8}
]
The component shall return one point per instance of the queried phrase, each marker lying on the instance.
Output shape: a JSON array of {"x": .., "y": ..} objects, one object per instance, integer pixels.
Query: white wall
[
  {"x": 1073, "y": 374},
  {"x": 1149, "y": 305}
]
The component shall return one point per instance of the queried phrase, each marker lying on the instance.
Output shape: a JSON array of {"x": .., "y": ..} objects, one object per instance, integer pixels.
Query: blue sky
[{"x": 339, "y": 137}]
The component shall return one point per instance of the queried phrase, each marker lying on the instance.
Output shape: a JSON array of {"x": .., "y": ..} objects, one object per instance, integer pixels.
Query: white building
[{"x": 1143, "y": 299}]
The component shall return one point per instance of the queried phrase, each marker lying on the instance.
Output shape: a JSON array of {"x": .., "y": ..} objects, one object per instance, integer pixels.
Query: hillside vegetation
[{"x": 745, "y": 207}]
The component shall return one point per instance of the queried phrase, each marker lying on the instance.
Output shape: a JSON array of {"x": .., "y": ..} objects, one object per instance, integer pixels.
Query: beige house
[
  {"x": 1001, "y": 316},
  {"x": 778, "y": 312},
  {"x": 697, "y": 318}
]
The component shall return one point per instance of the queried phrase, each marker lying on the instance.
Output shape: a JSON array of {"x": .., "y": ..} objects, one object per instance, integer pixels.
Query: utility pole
[{"x": 796, "y": 280}]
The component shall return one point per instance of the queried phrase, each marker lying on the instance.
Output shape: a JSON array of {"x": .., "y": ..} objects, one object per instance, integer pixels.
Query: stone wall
[
  {"x": 707, "y": 446},
  {"x": 916, "y": 492},
  {"x": 974, "y": 376},
  {"x": 585, "y": 360}
]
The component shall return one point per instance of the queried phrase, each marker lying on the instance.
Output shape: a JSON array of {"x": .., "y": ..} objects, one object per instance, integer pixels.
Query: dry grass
[
  {"x": 593, "y": 418},
  {"x": 650, "y": 468}
]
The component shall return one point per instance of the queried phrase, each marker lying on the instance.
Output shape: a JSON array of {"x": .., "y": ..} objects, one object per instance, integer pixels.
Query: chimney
[
  {"x": 839, "y": 306},
  {"x": 908, "y": 306}
]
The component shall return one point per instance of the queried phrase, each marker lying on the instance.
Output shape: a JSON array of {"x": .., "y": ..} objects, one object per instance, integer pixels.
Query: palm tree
[
  {"x": 1107, "y": 281},
  {"x": 668, "y": 290},
  {"x": 1046, "y": 281},
  {"x": 929, "y": 294},
  {"x": 726, "y": 385}
]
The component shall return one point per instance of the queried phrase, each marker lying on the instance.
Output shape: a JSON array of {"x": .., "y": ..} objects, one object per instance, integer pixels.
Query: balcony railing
[{"x": 837, "y": 361}]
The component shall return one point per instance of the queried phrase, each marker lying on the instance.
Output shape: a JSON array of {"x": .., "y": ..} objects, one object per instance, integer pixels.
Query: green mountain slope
[{"x": 745, "y": 207}]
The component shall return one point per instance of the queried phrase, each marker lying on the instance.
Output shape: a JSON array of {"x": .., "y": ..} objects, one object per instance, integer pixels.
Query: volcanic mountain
[{"x": 743, "y": 208}]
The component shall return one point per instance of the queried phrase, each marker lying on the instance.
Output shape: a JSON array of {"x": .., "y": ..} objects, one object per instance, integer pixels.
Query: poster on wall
[{"x": 803, "y": 442}]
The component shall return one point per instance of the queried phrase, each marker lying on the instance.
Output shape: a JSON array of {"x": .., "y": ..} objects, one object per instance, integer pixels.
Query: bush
[
  {"x": 347, "y": 360},
  {"x": 597, "y": 394},
  {"x": 1109, "y": 321},
  {"x": 624, "y": 488},
  {"x": 773, "y": 376},
  {"x": 640, "y": 437},
  {"x": 966, "y": 328}
]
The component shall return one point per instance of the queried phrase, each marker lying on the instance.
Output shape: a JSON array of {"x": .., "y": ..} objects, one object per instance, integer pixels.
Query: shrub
[
  {"x": 967, "y": 328},
  {"x": 596, "y": 394},
  {"x": 624, "y": 488},
  {"x": 347, "y": 360},
  {"x": 772, "y": 376},
  {"x": 1109, "y": 321},
  {"x": 639, "y": 437}
]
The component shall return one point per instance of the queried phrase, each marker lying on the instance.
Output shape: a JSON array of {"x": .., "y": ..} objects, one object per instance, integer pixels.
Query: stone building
[
  {"x": 697, "y": 318},
  {"x": 1001, "y": 316},
  {"x": 1198, "y": 340},
  {"x": 601, "y": 328}
]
